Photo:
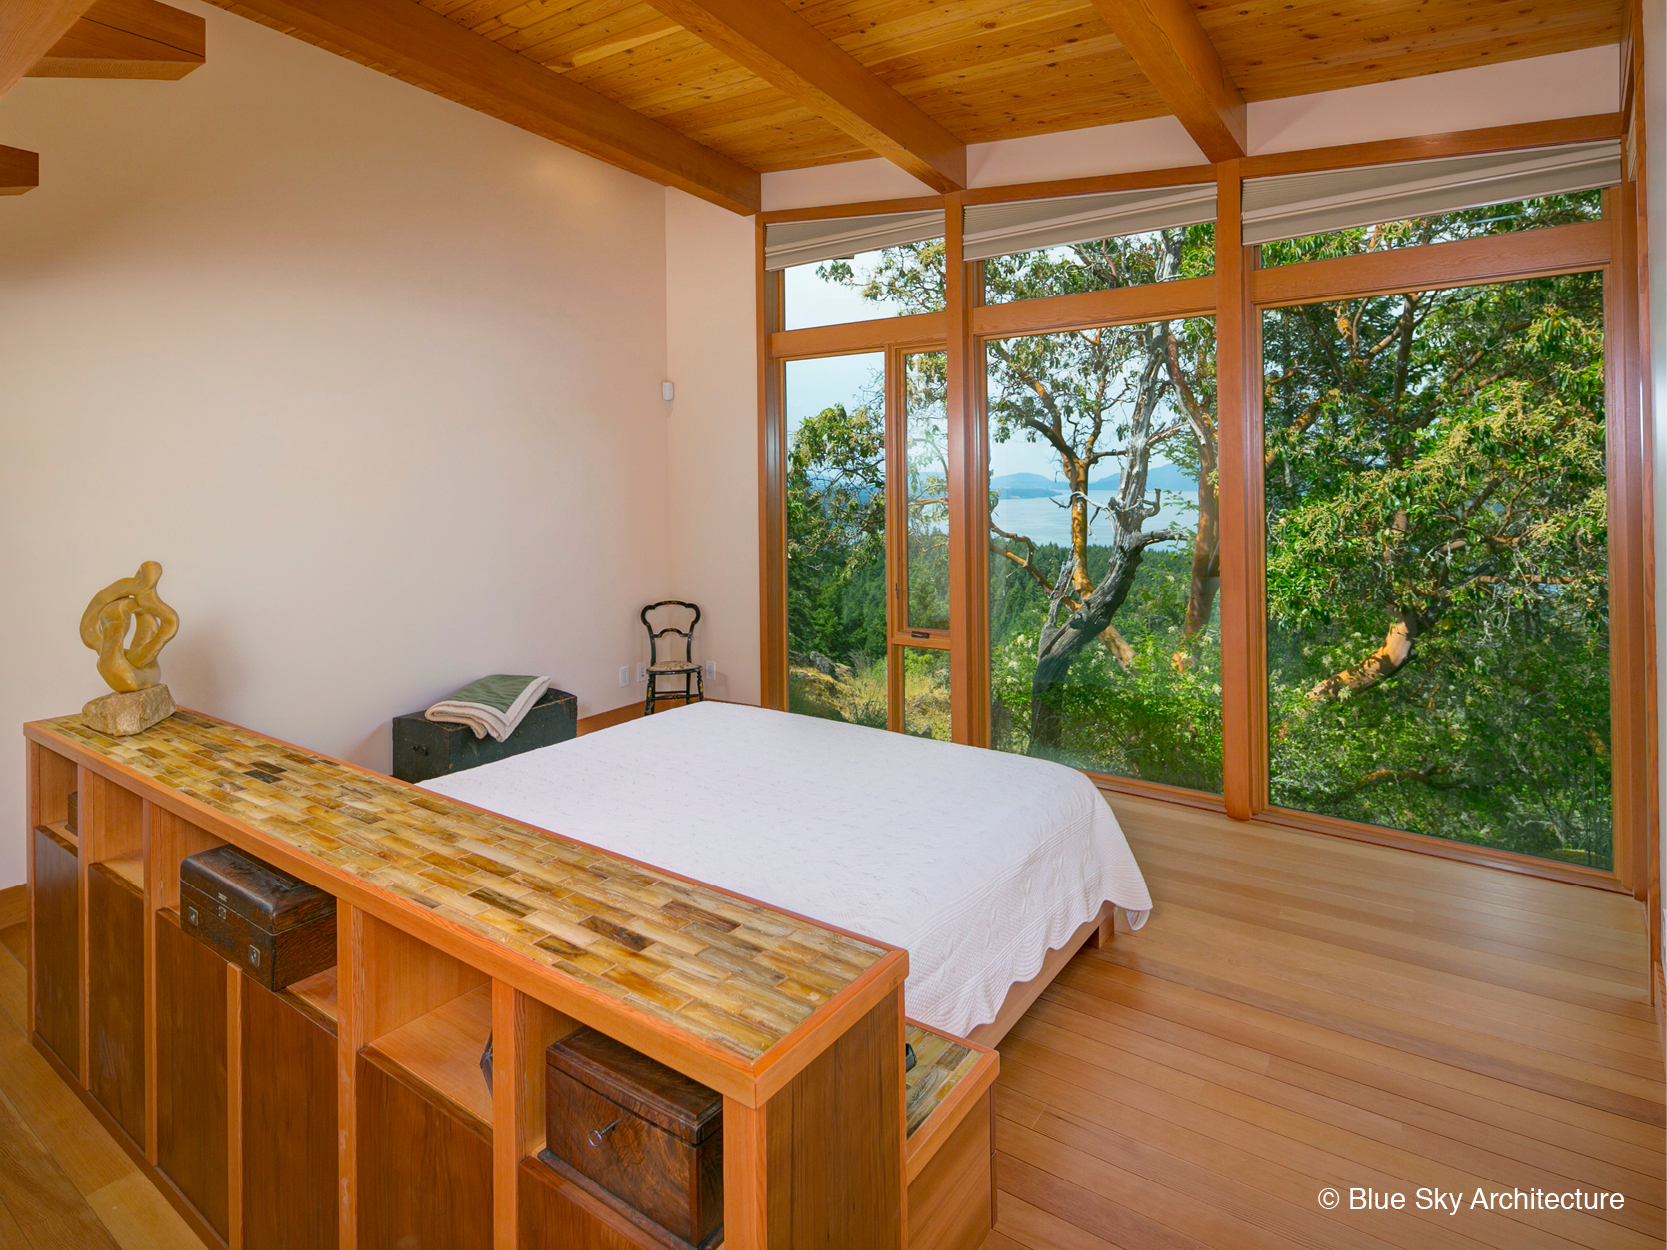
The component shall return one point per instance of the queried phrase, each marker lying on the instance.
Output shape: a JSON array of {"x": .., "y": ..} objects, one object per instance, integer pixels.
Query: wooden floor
[
  {"x": 64, "y": 1183},
  {"x": 1303, "y": 1012},
  {"x": 1300, "y": 1012}
]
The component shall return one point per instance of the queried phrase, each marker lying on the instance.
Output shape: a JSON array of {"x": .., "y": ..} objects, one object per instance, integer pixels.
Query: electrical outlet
[
  {"x": 642, "y": 672},
  {"x": 624, "y": 674},
  {"x": 711, "y": 670}
]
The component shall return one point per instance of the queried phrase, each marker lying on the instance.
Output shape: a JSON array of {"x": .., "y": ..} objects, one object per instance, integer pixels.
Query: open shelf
[
  {"x": 442, "y": 1050},
  {"x": 949, "y": 1076},
  {"x": 62, "y": 834},
  {"x": 316, "y": 997},
  {"x": 130, "y": 868}
]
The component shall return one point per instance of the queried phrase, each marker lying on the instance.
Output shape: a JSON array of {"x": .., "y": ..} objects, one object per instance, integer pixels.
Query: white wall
[
  {"x": 374, "y": 376},
  {"x": 712, "y": 478},
  {"x": 1569, "y": 84}
]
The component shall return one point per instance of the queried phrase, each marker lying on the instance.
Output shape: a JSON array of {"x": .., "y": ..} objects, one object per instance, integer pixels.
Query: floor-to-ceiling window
[
  {"x": 1341, "y": 522},
  {"x": 1437, "y": 548}
]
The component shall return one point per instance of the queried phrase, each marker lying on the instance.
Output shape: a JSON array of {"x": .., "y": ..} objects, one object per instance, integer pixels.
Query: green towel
[{"x": 493, "y": 705}]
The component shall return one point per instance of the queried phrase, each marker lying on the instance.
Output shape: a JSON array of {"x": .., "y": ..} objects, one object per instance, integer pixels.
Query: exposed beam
[
  {"x": 788, "y": 52},
  {"x": 402, "y": 38},
  {"x": 1167, "y": 41},
  {"x": 28, "y": 29},
  {"x": 127, "y": 39},
  {"x": 20, "y": 171}
]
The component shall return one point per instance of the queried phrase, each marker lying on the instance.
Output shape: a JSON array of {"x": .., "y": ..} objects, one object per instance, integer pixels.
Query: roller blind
[
  {"x": 1293, "y": 205},
  {"x": 1001, "y": 229},
  {"x": 788, "y": 243}
]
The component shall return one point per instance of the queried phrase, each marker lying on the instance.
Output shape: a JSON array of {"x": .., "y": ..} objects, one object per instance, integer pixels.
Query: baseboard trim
[
  {"x": 14, "y": 905},
  {"x": 607, "y": 720}
]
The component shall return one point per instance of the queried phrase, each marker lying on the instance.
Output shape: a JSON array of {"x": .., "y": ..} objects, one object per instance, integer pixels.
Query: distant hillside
[{"x": 1169, "y": 478}]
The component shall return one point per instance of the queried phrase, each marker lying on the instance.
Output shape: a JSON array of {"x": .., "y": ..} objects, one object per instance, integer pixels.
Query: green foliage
[
  {"x": 1437, "y": 536},
  {"x": 836, "y": 524}
]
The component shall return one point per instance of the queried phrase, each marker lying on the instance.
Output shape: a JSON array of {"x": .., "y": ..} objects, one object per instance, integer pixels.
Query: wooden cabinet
[
  {"x": 191, "y": 1109},
  {"x": 289, "y": 1124},
  {"x": 425, "y": 1167},
  {"x": 116, "y": 993},
  {"x": 57, "y": 918},
  {"x": 293, "y": 1121}
]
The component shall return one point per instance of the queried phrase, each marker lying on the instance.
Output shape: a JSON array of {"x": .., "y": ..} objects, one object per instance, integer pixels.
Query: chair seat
[{"x": 674, "y": 666}]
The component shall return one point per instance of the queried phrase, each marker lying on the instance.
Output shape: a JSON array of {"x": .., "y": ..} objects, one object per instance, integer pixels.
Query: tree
[
  {"x": 1100, "y": 398},
  {"x": 1436, "y": 492}
]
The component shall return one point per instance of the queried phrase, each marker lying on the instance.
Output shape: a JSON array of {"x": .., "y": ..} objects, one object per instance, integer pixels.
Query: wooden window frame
[{"x": 1236, "y": 295}]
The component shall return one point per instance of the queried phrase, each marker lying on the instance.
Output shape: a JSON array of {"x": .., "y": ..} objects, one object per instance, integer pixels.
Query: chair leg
[{"x": 648, "y": 699}]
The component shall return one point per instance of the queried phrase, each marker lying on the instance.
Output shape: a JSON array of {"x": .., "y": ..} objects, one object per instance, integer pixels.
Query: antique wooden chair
[{"x": 674, "y": 640}]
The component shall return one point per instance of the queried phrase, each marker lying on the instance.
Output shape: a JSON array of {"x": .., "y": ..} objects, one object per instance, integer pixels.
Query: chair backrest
[{"x": 686, "y": 634}]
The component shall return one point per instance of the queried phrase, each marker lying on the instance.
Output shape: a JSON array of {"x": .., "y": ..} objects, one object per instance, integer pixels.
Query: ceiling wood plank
[
  {"x": 28, "y": 29},
  {"x": 1168, "y": 42},
  {"x": 422, "y": 47},
  {"x": 788, "y": 52},
  {"x": 20, "y": 171},
  {"x": 127, "y": 39}
]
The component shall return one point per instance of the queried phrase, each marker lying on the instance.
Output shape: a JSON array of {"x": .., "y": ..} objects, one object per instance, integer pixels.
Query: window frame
[{"x": 1236, "y": 296}]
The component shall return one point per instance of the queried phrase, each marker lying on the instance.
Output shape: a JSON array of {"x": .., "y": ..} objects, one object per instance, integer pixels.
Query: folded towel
[{"x": 493, "y": 705}]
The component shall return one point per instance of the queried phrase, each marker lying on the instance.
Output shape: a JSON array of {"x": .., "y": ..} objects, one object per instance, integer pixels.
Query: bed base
[{"x": 1093, "y": 933}]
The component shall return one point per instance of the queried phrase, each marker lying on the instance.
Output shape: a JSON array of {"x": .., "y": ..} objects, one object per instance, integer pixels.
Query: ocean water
[{"x": 1047, "y": 520}]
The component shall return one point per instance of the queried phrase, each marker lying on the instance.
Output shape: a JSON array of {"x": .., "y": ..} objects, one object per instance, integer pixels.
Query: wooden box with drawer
[
  {"x": 278, "y": 929},
  {"x": 638, "y": 1131}
]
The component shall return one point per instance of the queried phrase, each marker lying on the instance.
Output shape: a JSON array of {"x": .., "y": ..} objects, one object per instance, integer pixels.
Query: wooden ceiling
[
  {"x": 705, "y": 94},
  {"x": 1001, "y": 69}
]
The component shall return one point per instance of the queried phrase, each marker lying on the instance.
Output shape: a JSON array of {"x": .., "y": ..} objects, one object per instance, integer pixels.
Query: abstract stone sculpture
[{"x": 131, "y": 668}]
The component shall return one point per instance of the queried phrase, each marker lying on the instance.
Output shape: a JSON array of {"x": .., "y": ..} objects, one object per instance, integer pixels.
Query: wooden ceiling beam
[
  {"x": 28, "y": 29},
  {"x": 1168, "y": 42},
  {"x": 414, "y": 43},
  {"x": 788, "y": 52},
  {"x": 20, "y": 171},
  {"x": 127, "y": 39}
]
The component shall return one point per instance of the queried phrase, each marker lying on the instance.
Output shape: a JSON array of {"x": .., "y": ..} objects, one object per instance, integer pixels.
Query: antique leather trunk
[
  {"x": 636, "y": 1129},
  {"x": 276, "y": 928},
  {"x": 424, "y": 749}
]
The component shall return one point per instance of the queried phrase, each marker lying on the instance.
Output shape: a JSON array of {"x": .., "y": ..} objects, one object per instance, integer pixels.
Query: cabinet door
[
  {"x": 191, "y": 1123},
  {"x": 116, "y": 998},
  {"x": 425, "y": 1173},
  {"x": 289, "y": 1126},
  {"x": 57, "y": 948}
]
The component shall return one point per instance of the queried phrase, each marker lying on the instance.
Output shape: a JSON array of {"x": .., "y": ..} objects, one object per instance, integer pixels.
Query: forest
[{"x": 1435, "y": 488}]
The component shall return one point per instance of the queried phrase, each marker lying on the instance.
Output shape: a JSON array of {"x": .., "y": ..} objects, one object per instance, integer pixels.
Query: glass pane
[
  {"x": 1131, "y": 260},
  {"x": 925, "y": 692},
  {"x": 1105, "y": 647},
  {"x": 836, "y": 538},
  {"x": 1438, "y": 619},
  {"x": 1470, "y": 223},
  {"x": 927, "y": 489},
  {"x": 891, "y": 282}
]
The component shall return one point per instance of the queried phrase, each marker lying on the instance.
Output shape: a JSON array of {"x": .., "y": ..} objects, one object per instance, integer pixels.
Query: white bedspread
[{"x": 976, "y": 862}]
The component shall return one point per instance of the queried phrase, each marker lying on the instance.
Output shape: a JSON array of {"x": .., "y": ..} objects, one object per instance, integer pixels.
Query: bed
[{"x": 990, "y": 869}]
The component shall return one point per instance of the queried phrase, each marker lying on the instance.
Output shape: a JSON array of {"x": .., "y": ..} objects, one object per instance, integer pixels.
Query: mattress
[{"x": 976, "y": 862}]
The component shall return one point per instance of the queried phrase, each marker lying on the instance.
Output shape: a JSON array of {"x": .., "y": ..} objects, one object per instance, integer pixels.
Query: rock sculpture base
[{"x": 122, "y": 714}]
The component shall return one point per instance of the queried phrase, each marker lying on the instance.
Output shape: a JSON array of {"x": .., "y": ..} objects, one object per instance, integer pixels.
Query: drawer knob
[{"x": 597, "y": 1134}]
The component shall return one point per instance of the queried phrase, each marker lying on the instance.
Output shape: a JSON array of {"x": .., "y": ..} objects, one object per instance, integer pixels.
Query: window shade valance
[
  {"x": 1293, "y": 205},
  {"x": 788, "y": 243},
  {"x": 1001, "y": 229}
]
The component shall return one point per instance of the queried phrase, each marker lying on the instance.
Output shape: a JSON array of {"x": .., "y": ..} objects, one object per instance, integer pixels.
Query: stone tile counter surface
[{"x": 736, "y": 974}]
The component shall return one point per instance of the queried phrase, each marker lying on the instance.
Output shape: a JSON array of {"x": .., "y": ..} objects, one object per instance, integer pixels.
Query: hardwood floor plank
[
  {"x": 39, "y": 1196},
  {"x": 1514, "y": 1067},
  {"x": 1042, "y": 1230},
  {"x": 139, "y": 1217},
  {"x": 1536, "y": 1140},
  {"x": 1302, "y": 1011},
  {"x": 1438, "y": 1000},
  {"x": 1102, "y": 976},
  {"x": 11, "y": 1236},
  {"x": 1270, "y": 1102},
  {"x": 15, "y": 938}
]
